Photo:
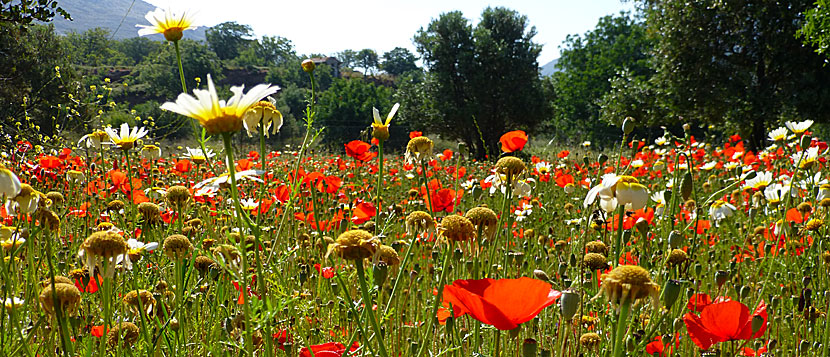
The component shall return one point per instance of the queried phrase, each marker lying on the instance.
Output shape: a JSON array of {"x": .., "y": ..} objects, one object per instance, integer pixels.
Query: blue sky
[{"x": 332, "y": 26}]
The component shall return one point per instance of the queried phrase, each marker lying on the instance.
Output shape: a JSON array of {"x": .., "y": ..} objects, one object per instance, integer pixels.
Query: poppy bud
[
  {"x": 379, "y": 272},
  {"x": 687, "y": 127},
  {"x": 628, "y": 125},
  {"x": 721, "y": 277},
  {"x": 586, "y": 161},
  {"x": 671, "y": 291},
  {"x": 757, "y": 323},
  {"x": 630, "y": 344},
  {"x": 602, "y": 159},
  {"x": 562, "y": 268},
  {"x": 686, "y": 186},
  {"x": 745, "y": 291},
  {"x": 463, "y": 149},
  {"x": 308, "y": 66},
  {"x": 569, "y": 304},
  {"x": 545, "y": 353},
  {"x": 541, "y": 275},
  {"x": 678, "y": 324},
  {"x": 675, "y": 240},
  {"x": 529, "y": 348},
  {"x": 805, "y": 141}
]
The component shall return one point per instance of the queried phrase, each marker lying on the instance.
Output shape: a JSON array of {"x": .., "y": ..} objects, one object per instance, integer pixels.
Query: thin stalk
[
  {"x": 618, "y": 246},
  {"x": 431, "y": 318},
  {"x": 367, "y": 303},
  {"x": 378, "y": 189},
  {"x": 619, "y": 348}
]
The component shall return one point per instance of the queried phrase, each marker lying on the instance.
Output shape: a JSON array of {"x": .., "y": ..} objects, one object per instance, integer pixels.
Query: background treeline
[{"x": 725, "y": 67}]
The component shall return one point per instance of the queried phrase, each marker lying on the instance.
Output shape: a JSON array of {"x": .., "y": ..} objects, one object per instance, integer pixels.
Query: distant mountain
[
  {"x": 88, "y": 14},
  {"x": 550, "y": 68}
]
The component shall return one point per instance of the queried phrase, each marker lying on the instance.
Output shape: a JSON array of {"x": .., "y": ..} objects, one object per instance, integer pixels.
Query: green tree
[
  {"x": 368, "y": 60},
  {"x": 483, "y": 81},
  {"x": 737, "y": 63},
  {"x": 588, "y": 64},
  {"x": 276, "y": 50},
  {"x": 348, "y": 59},
  {"x": 40, "y": 95},
  {"x": 398, "y": 61},
  {"x": 159, "y": 76},
  {"x": 346, "y": 109},
  {"x": 228, "y": 39},
  {"x": 93, "y": 47},
  {"x": 23, "y": 12},
  {"x": 815, "y": 32},
  {"x": 136, "y": 49}
]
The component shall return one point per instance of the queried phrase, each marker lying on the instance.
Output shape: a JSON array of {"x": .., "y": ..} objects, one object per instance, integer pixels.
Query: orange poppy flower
[
  {"x": 330, "y": 349},
  {"x": 359, "y": 150},
  {"x": 513, "y": 141},
  {"x": 503, "y": 303}
]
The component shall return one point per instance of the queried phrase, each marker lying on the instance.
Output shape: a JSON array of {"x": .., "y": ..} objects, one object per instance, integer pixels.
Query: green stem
[
  {"x": 367, "y": 303},
  {"x": 618, "y": 246},
  {"x": 58, "y": 308},
  {"x": 378, "y": 189},
  {"x": 619, "y": 348},
  {"x": 246, "y": 308},
  {"x": 432, "y": 317}
]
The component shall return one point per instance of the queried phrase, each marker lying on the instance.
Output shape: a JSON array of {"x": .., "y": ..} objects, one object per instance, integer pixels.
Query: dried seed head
[
  {"x": 68, "y": 297},
  {"x": 354, "y": 245},
  {"x": 56, "y": 198},
  {"x": 177, "y": 196},
  {"x": 596, "y": 247},
  {"x": 595, "y": 261},
  {"x": 145, "y": 298},
  {"x": 115, "y": 205},
  {"x": 510, "y": 166},
  {"x": 203, "y": 264},
  {"x": 627, "y": 284},
  {"x": 590, "y": 340},
  {"x": 126, "y": 331},
  {"x": 104, "y": 244},
  {"x": 677, "y": 257},
  {"x": 150, "y": 212},
  {"x": 177, "y": 247},
  {"x": 58, "y": 280},
  {"x": 388, "y": 255},
  {"x": 804, "y": 207},
  {"x": 419, "y": 221},
  {"x": 457, "y": 228}
]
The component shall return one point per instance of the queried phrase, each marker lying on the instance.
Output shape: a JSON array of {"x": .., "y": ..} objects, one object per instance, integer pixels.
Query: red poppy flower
[
  {"x": 363, "y": 212},
  {"x": 359, "y": 150},
  {"x": 655, "y": 346},
  {"x": 331, "y": 349},
  {"x": 503, "y": 303},
  {"x": 282, "y": 337},
  {"x": 415, "y": 134},
  {"x": 725, "y": 321},
  {"x": 513, "y": 141},
  {"x": 183, "y": 166}
]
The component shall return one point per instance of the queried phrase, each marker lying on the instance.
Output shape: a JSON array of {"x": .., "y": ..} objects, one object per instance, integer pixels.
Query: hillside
[
  {"x": 88, "y": 14},
  {"x": 550, "y": 68}
]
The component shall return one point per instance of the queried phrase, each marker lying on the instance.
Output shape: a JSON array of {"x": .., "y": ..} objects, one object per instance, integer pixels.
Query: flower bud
[
  {"x": 308, "y": 66},
  {"x": 687, "y": 127},
  {"x": 602, "y": 158},
  {"x": 757, "y": 323},
  {"x": 529, "y": 348},
  {"x": 569, "y": 304},
  {"x": 805, "y": 141},
  {"x": 628, "y": 125},
  {"x": 721, "y": 277},
  {"x": 675, "y": 240},
  {"x": 686, "y": 186},
  {"x": 671, "y": 291}
]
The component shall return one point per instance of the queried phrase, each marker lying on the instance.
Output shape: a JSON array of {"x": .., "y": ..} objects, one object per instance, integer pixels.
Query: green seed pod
[
  {"x": 602, "y": 158},
  {"x": 569, "y": 304},
  {"x": 686, "y": 186},
  {"x": 671, "y": 291},
  {"x": 805, "y": 141},
  {"x": 675, "y": 240},
  {"x": 529, "y": 347},
  {"x": 628, "y": 125}
]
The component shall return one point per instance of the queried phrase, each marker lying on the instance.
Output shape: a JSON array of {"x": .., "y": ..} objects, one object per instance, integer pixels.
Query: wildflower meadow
[{"x": 673, "y": 246}]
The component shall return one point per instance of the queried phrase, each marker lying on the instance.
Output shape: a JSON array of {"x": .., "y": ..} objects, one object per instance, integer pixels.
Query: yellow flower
[
  {"x": 380, "y": 129},
  {"x": 264, "y": 114},
  {"x": 168, "y": 23},
  {"x": 151, "y": 152},
  {"x": 218, "y": 116}
]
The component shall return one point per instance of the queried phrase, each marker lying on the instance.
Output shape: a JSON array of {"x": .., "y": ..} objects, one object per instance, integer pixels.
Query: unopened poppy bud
[
  {"x": 529, "y": 347},
  {"x": 671, "y": 291},
  {"x": 721, "y": 277},
  {"x": 569, "y": 304},
  {"x": 757, "y": 323},
  {"x": 463, "y": 149},
  {"x": 308, "y": 66},
  {"x": 805, "y": 141},
  {"x": 541, "y": 275},
  {"x": 379, "y": 273},
  {"x": 687, "y": 127},
  {"x": 545, "y": 353},
  {"x": 630, "y": 344},
  {"x": 686, "y": 186},
  {"x": 675, "y": 240},
  {"x": 628, "y": 125},
  {"x": 602, "y": 158},
  {"x": 586, "y": 160},
  {"x": 562, "y": 268},
  {"x": 745, "y": 291},
  {"x": 678, "y": 324}
]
